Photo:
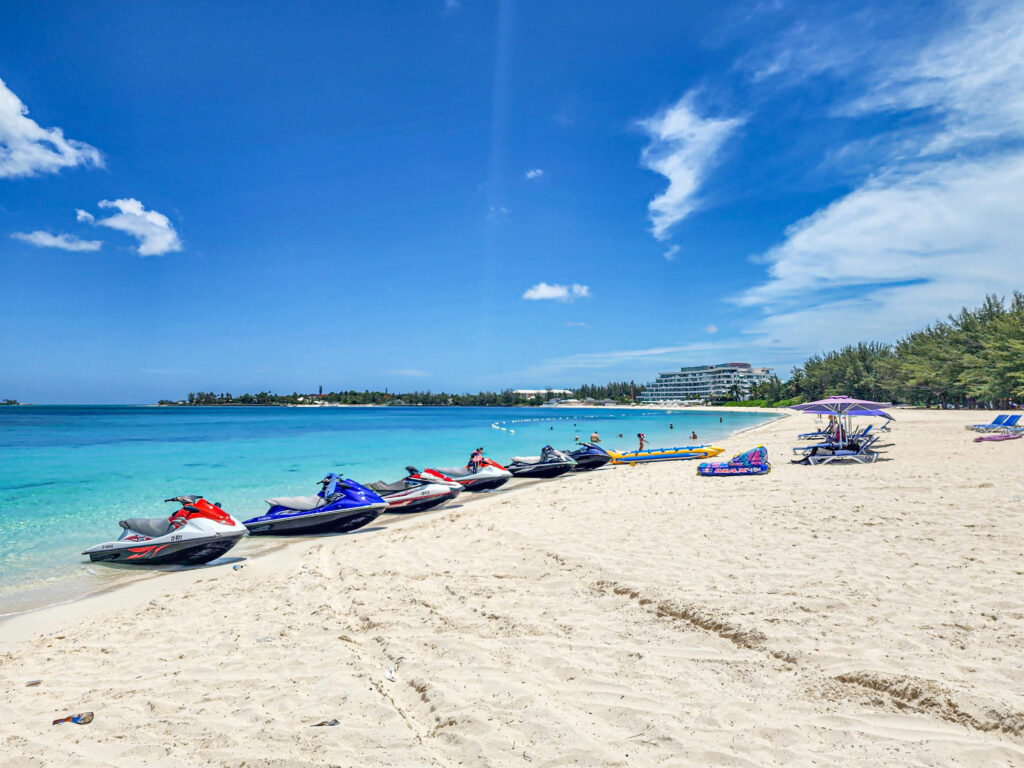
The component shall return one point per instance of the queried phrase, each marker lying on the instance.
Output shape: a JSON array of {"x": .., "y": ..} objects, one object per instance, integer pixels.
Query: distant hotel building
[{"x": 704, "y": 382}]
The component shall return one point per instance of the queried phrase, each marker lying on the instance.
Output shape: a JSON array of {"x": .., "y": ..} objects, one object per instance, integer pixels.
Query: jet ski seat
[
  {"x": 301, "y": 503},
  {"x": 526, "y": 459},
  {"x": 381, "y": 487},
  {"x": 153, "y": 527}
]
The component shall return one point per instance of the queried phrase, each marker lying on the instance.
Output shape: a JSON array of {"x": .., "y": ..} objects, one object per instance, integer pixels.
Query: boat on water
[
  {"x": 341, "y": 506},
  {"x": 677, "y": 453}
]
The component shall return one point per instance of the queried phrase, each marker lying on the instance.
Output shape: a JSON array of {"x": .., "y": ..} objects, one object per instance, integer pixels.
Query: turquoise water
[{"x": 69, "y": 473}]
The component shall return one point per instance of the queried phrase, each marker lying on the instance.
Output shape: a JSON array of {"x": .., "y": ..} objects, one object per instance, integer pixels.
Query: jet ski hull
[
  {"x": 407, "y": 505},
  {"x": 543, "y": 470},
  {"x": 589, "y": 457},
  {"x": 299, "y": 523},
  {"x": 157, "y": 552},
  {"x": 487, "y": 478},
  {"x": 590, "y": 462},
  {"x": 482, "y": 484}
]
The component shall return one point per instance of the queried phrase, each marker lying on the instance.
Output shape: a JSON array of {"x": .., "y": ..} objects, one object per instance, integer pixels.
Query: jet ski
[
  {"x": 197, "y": 533},
  {"x": 589, "y": 456},
  {"x": 550, "y": 463},
  {"x": 417, "y": 492},
  {"x": 340, "y": 506},
  {"x": 487, "y": 477}
]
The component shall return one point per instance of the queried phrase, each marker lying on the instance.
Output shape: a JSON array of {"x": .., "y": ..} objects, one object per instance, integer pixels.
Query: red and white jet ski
[
  {"x": 197, "y": 533},
  {"x": 417, "y": 492},
  {"x": 489, "y": 476}
]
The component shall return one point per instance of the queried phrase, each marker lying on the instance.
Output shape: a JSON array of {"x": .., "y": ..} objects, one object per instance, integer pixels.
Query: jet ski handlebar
[{"x": 184, "y": 499}]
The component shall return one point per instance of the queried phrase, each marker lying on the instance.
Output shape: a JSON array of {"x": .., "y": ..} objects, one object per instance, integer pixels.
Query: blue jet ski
[
  {"x": 342, "y": 505},
  {"x": 589, "y": 456}
]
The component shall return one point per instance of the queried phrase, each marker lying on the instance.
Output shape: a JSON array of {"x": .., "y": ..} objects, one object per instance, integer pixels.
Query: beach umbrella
[
  {"x": 843, "y": 405},
  {"x": 823, "y": 411}
]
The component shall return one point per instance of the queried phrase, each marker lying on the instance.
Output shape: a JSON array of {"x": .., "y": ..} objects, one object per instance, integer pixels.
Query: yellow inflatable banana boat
[{"x": 665, "y": 454}]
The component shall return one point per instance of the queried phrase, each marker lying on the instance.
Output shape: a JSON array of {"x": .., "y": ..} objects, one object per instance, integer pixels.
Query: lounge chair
[
  {"x": 855, "y": 439},
  {"x": 824, "y": 432},
  {"x": 861, "y": 454},
  {"x": 997, "y": 422},
  {"x": 1010, "y": 425},
  {"x": 822, "y": 453}
]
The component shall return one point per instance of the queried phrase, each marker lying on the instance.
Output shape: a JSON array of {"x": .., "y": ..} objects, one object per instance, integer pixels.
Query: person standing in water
[
  {"x": 594, "y": 437},
  {"x": 693, "y": 436},
  {"x": 643, "y": 440}
]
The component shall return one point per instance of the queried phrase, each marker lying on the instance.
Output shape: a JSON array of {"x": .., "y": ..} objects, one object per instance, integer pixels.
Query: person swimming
[{"x": 594, "y": 437}]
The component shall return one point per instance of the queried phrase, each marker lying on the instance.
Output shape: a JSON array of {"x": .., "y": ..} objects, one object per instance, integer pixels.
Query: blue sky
[{"x": 466, "y": 195}]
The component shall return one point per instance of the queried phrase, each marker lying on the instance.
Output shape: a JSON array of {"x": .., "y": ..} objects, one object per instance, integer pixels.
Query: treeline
[
  {"x": 621, "y": 392},
  {"x": 8, "y": 401},
  {"x": 973, "y": 359}
]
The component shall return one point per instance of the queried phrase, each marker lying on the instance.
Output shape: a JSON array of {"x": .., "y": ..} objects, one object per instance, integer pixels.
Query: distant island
[
  {"x": 973, "y": 359},
  {"x": 9, "y": 402},
  {"x": 615, "y": 393}
]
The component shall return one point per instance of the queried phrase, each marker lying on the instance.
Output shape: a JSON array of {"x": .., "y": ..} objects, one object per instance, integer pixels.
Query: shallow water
[{"x": 69, "y": 473}]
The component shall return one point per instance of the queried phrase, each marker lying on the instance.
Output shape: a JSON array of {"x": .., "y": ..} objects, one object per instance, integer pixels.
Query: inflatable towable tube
[{"x": 752, "y": 462}]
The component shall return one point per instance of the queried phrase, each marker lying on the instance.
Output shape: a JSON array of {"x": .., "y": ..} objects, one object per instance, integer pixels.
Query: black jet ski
[
  {"x": 589, "y": 456},
  {"x": 551, "y": 463}
]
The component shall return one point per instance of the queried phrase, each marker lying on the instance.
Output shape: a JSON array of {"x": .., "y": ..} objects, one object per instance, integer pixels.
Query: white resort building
[
  {"x": 528, "y": 393},
  {"x": 705, "y": 382}
]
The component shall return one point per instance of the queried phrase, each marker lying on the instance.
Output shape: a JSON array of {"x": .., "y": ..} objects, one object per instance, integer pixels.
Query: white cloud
[
  {"x": 611, "y": 360},
  {"x": 28, "y": 149},
  {"x": 557, "y": 292},
  {"x": 153, "y": 230},
  {"x": 971, "y": 78},
  {"x": 42, "y": 239},
  {"x": 534, "y": 173},
  {"x": 683, "y": 148},
  {"x": 497, "y": 214},
  {"x": 572, "y": 324},
  {"x": 670, "y": 254},
  {"x": 710, "y": 328},
  {"x": 85, "y": 216},
  {"x": 931, "y": 229}
]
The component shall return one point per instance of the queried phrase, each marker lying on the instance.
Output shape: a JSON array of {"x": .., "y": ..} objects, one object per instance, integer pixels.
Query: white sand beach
[{"x": 848, "y": 615}]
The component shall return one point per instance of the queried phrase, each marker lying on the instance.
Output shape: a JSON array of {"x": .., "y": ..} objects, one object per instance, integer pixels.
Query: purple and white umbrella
[{"x": 843, "y": 405}]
